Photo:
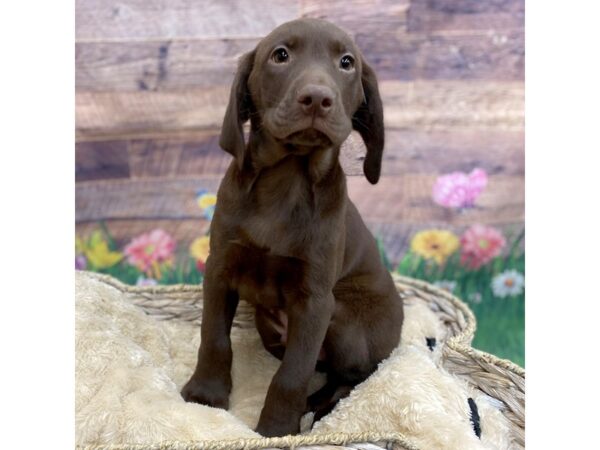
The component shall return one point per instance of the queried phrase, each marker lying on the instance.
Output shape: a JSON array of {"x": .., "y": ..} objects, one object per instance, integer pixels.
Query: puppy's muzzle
[{"x": 316, "y": 100}]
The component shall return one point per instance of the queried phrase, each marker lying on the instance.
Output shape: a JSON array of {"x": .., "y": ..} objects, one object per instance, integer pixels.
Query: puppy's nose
[{"x": 316, "y": 99}]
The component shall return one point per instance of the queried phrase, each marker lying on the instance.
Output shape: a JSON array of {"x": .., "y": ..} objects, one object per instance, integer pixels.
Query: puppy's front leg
[
  {"x": 211, "y": 382},
  {"x": 308, "y": 320}
]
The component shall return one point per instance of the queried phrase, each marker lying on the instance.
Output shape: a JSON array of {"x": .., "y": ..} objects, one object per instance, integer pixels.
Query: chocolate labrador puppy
[{"x": 285, "y": 236}]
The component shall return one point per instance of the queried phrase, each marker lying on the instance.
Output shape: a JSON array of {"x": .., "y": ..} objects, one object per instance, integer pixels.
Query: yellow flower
[
  {"x": 97, "y": 252},
  {"x": 207, "y": 200},
  {"x": 435, "y": 244},
  {"x": 79, "y": 245},
  {"x": 200, "y": 248}
]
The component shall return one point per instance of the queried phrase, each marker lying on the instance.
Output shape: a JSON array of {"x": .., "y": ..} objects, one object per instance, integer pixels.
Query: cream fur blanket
[{"x": 130, "y": 368}]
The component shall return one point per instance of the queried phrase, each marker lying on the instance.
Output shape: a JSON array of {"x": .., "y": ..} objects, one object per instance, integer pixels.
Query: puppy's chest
[
  {"x": 264, "y": 278},
  {"x": 274, "y": 235},
  {"x": 282, "y": 216}
]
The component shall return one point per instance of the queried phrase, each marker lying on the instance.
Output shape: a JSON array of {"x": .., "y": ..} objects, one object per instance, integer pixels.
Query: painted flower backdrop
[
  {"x": 480, "y": 265},
  {"x": 459, "y": 190},
  {"x": 151, "y": 251}
]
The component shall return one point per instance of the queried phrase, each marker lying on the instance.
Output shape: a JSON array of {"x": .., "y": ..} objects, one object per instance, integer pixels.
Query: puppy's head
[{"x": 306, "y": 85}]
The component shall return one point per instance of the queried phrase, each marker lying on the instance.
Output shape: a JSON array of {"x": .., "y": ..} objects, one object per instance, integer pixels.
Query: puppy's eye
[
  {"x": 347, "y": 62},
  {"x": 280, "y": 55}
]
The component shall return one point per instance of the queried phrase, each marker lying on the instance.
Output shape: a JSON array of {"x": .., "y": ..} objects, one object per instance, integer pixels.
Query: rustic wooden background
[{"x": 152, "y": 82}]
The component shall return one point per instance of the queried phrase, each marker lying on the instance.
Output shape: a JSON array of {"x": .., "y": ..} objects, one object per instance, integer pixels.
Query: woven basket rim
[
  {"x": 283, "y": 442},
  {"x": 455, "y": 342}
]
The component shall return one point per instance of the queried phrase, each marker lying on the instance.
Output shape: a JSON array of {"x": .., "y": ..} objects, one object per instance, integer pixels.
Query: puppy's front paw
[
  {"x": 280, "y": 426},
  {"x": 206, "y": 392}
]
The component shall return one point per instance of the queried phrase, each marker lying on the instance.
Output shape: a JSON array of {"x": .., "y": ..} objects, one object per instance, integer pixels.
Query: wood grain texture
[
  {"x": 158, "y": 65},
  {"x": 463, "y": 56},
  {"x": 178, "y": 157},
  {"x": 193, "y": 63},
  {"x": 434, "y": 16},
  {"x": 198, "y": 154},
  {"x": 496, "y": 151},
  {"x": 101, "y": 160},
  {"x": 394, "y": 199},
  {"x": 450, "y": 104},
  {"x": 141, "y": 113},
  {"x": 352, "y": 16},
  {"x": 406, "y": 151},
  {"x": 164, "y": 198},
  {"x": 418, "y": 104},
  {"x": 172, "y": 19}
]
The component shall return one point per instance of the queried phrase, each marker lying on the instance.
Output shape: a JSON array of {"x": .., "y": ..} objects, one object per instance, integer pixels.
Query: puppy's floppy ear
[
  {"x": 368, "y": 121},
  {"x": 238, "y": 111}
]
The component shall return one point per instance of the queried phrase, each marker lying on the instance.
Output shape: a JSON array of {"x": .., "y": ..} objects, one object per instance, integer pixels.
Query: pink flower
[
  {"x": 459, "y": 190},
  {"x": 150, "y": 249},
  {"x": 480, "y": 244}
]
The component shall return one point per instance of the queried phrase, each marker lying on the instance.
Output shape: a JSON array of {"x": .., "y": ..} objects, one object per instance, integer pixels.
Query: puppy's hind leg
[
  {"x": 324, "y": 400},
  {"x": 348, "y": 364}
]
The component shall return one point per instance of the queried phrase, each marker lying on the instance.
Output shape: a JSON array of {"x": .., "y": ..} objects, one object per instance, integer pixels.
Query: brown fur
[{"x": 286, "y": 237}]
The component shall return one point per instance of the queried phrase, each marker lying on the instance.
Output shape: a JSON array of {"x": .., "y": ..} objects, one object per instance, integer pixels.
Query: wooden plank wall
[{"x": 152, "y": 81}]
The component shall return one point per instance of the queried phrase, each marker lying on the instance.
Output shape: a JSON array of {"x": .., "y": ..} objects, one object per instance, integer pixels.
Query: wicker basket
[{"x": 498, "y": 378}]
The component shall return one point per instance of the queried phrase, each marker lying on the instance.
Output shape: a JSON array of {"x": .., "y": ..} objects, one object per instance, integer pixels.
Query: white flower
[
  {"x": 446, "y": 285},
  {"x": 508, "y": 284},
  {"x": 142, "y": 281},
  {"x": 475, "y": 297}
]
